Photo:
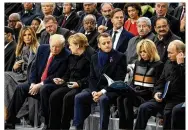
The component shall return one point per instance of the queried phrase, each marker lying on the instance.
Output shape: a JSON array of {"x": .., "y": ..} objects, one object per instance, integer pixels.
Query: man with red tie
[{"x": 50, "y": 62}]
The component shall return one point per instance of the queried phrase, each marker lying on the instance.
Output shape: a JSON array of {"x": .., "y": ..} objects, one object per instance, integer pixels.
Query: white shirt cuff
[{"x": 103, "y": 91}]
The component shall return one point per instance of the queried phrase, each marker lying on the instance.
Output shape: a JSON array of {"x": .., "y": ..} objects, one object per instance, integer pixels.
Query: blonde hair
[
  {"x": 34, "y": 43},
  {"x": 78, "y": 39},
  {"x": 150, "y": 48}
]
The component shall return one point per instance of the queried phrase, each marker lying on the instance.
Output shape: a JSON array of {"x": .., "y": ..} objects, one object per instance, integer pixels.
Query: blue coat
[{"x": 56, "y": 69}]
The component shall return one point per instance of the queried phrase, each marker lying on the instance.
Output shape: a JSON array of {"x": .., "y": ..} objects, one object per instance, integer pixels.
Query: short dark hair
[
  {"x": 134, "y": 5},
  {"x": 103, "y": 35},
  {"x": 159, "y": 18},
  {"x": 115, "y": 11}
]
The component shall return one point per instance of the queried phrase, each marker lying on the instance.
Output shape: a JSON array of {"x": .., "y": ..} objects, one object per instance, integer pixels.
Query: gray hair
[
  {"x": 144, "y": 19},
  {"x": 90, "y": 16},
  {"x": 15, "y": 15},
  {"x": 58, "y": 37}
]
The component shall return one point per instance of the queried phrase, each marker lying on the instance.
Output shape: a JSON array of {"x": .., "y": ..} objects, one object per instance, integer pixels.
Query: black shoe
[{"x": 9, "y": 126}]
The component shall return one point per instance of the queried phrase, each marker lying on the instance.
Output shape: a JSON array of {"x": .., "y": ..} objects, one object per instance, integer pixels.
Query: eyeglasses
[{"x": 162, "y": 26}]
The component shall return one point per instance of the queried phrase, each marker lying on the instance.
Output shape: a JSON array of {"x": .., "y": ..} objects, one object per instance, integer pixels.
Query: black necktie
[{"x": 114, "y": 37}]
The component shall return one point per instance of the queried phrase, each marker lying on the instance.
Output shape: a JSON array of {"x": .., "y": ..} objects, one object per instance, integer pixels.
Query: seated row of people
[{"x": 60, "y": 79}]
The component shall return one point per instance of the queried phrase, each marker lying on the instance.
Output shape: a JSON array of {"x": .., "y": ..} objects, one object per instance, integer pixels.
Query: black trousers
[
  {"x": 151, "y": 108},
  {"x": 61, "y": 105},
  {"x": 178, "y": 117},
  {"x": 21, "y": 93},
  {"x": 125, "y": 105}
]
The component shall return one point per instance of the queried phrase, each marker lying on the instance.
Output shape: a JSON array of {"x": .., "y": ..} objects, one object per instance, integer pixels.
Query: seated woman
[
  {"x": 38, "y": 26},
  {"x": 133, "y": 11},
  {"x": 113, "y": 64},
  {"x": 25, "y": 52},
  {"x": 61, "y": 101},
  {"x": 147, "y": 71}
]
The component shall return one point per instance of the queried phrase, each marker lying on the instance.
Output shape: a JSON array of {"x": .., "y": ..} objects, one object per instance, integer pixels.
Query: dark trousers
[
  {"x": 151, "y": 108},
  {"x": 178, "y": 117},
  {"x": 62, "y": 107},
  {"x": 82, "y": 108},
  {"x": 45, "y": 92},
  {"x": 21, "y": 93},
  {"x": 125, "y": 108}
]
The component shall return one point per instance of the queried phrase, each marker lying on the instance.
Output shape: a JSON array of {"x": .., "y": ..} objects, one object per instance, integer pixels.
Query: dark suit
[
  {"x": 123, "y": 41},
  {"x": 109, "y": 23},
  {"x": 70, "y": 23},
  {"x": 10, "y": 56},
  {"x": 92, "y": 38},
  {"x": 28, "y": 17},
  {"x": 177, "y": 12},
  {"x": 114, "y": 68},
  {"x": 56, "y": 69},
  {"x": 45, "y": 36},
  {"x": 173, "y": 22},
  {"x": 82, "y": 15}
]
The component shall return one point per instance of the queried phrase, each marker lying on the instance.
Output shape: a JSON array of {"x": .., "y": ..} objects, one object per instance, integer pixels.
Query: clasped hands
[{"x": 96, "y": 95}]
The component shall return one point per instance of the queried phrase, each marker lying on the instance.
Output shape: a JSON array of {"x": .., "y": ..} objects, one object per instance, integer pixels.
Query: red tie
[
  {"x": 64, "y": 20},
  {"x": 45, "y": 73}
]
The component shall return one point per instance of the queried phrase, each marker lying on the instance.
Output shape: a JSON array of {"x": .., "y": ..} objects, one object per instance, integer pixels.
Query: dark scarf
[{"x": 102, "y": 58}]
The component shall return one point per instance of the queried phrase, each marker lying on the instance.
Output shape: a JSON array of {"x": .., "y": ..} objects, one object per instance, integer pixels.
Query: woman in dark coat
[
  {"x": 61, "y": 101},
  {"x": 147, "y": 71},
  {"x": 25, "y": 52}
]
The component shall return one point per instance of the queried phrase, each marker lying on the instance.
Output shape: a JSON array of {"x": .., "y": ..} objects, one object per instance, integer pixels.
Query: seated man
[
  {"x": 51, "y": 61},
  {"x": 174, "y": 71},
  {"x": 113, "y": 64}
]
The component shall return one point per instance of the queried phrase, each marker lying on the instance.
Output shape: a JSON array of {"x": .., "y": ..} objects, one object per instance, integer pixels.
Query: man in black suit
[
  {"x": 69, "y": 19},
  {"x": 110, "y": 62},
  {"x": 104, "y": 22},
  {"x": 120, "y": 37},
  {"x": 89, "y": 29},
  {"x": 161, "y": 11},
  {"x": 51, "y": 61},
  {"x": 52, "y": 27},
  {"x": 89, "y": 8},
  {"x": 10, "y": 47}
]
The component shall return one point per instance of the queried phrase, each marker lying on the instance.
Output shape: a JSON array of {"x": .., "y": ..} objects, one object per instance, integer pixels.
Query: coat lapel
[{"x": 121, "y": 39}]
